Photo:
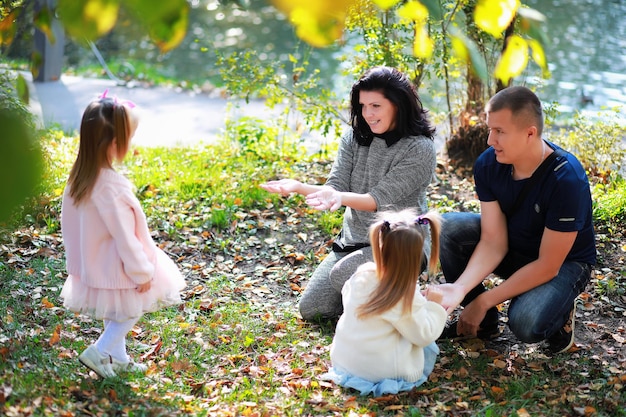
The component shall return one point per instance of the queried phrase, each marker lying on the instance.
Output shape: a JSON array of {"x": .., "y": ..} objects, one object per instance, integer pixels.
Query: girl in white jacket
[
  {"x": 115, "y": 270},
  {"x": 385, "y": 339}
]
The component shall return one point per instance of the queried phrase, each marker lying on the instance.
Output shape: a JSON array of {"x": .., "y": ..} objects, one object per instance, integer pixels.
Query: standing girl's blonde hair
[{"x": 104, "y": 122}]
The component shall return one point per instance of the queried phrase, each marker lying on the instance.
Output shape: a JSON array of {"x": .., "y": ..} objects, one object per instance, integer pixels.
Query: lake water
[{"x": 586, "y": 53}]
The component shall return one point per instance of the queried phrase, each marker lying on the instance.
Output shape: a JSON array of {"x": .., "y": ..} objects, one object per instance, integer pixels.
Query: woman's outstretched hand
[
  {"x": 325, "y": 199},
  {"x": 282, "y": 187}
]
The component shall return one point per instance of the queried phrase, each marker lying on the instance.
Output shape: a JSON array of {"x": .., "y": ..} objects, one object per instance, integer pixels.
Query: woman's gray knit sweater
[{"x": 396, "y": 177}]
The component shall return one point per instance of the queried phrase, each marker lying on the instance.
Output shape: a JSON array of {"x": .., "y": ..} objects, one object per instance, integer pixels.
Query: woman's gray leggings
[{"x": 321, "y": 299}]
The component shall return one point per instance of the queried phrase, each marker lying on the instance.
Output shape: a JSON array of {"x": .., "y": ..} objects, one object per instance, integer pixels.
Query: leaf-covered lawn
[{"x": 236, "y": 346}]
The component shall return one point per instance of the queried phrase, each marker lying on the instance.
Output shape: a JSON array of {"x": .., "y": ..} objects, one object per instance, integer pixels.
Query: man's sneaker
[
  {"x": 97, "y": 362},
  {"x": 489, "y": 328},
  {"x": 130, "y": 366},
  {"x": 563, "y": 339}
]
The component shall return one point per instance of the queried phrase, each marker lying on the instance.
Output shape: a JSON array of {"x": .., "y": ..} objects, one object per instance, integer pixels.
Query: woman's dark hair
[{"x": 411, "y": 119}]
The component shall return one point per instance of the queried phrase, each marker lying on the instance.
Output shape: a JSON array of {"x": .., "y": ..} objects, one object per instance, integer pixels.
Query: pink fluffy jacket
[{"x": 107, "y": 240}]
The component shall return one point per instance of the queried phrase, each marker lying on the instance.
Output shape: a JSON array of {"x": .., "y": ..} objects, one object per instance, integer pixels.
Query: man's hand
[
  {"x": 453, "y": 294},
  {"x": 470, "y": 318}
]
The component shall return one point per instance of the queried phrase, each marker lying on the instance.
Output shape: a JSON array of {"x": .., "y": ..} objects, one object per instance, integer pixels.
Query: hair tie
[
  {"x": 128, "y": 103},
  {"x": 421, "y": 220},
  {"x": 385, "y": 226}
]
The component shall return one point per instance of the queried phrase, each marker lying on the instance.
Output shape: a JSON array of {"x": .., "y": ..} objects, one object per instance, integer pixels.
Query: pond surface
[{"x": 586, "y": 51}]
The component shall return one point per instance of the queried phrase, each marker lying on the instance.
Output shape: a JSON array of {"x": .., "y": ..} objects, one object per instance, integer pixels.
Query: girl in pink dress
[{"x": 115, "y": 270}]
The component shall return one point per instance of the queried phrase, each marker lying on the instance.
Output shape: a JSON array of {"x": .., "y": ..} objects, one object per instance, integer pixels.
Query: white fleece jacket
[{"x": 389, "y": 345}]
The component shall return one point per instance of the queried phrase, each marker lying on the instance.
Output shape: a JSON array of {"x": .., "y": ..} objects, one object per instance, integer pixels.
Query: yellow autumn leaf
[
  {"x": 88, "y": 19},
  {"x": 385, "y": 4},
  {"x": 538, "y": 53},
  {"x": 46, "y": 303},
  {"x": 171, "y": 34},
  {"x": 414, "y": 11},
  {"x": 493, "y": 16},
  {"x": 103, "y": 13},
  {"x": 459, "y": 49},
  {"x": 319, "y": 23},
  {"x": 513, "y": 60},
  {"x": 423, "y": 45}
]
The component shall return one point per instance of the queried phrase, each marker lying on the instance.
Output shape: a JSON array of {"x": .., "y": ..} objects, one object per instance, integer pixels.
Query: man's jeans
[{"x": 534, "y": 315}]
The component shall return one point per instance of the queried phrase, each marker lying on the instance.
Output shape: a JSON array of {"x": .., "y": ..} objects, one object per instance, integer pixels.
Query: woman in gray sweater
[{"x": 385, "y": 162}]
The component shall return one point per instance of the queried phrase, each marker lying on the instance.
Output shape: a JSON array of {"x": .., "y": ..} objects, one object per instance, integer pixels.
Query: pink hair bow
[{"x": 128, "y": 103}]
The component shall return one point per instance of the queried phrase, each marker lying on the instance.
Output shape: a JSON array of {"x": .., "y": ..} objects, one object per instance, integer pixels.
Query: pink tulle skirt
[{"x": 124, "y": 304}]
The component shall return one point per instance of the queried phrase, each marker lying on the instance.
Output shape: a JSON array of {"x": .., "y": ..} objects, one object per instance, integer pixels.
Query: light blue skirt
[{"x": 386, "y": 386}]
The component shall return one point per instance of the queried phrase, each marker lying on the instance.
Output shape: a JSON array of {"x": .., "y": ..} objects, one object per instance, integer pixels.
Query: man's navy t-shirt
[{"x": 560, "y": 201}]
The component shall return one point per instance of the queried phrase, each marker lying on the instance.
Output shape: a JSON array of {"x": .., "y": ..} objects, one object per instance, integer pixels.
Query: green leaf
[
  {"x": 22, "y": 89},
  {"x": 36, "y": 61},
  {"x": 43, "y": 21},
  {"x": 88, "y": 19},
  {"x": 434, "y": 9},
  {"x": 533, "y": 24},
  {"x": 466, "y": 50},
  {"x": 166, "y": 21},
  {"x": 20, "y": 161}
]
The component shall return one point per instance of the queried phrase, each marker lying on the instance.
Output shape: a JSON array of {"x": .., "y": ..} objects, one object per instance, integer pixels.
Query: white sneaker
[
  {"x": 97, "y": 362},
  {"x": 130, "y": 366}
]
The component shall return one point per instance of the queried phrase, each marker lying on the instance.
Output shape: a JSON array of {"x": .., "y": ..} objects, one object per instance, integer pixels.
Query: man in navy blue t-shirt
[{"x": 542, "y": 246}]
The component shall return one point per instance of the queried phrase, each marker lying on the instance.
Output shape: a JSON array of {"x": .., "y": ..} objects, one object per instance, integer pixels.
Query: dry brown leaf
[
  {"x": 56, "y": 336},
  {"x": 500, "y": 364},
  {"x": 152, "y": 352},
  {"x": 46, "y": 303},
  {"x": 497, "y": 391}
]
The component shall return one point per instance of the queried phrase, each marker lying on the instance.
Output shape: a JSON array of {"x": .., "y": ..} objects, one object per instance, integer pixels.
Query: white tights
[{"x": 112, "y": 341}]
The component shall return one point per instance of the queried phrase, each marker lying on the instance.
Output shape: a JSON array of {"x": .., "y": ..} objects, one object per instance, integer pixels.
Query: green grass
[{"x": 236, "y": 345}]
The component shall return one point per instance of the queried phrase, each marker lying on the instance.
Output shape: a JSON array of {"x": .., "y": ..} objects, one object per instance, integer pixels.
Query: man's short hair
[{"x": 524, "y": 105}]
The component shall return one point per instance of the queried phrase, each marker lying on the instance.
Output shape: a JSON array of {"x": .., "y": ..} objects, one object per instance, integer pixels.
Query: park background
[{"x": 237, "y": 346}]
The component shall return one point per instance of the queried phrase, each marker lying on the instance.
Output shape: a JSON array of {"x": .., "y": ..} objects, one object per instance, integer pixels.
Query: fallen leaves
[
  {"x": 236, "y": 347},
  {"x": 56, "y": 336}
]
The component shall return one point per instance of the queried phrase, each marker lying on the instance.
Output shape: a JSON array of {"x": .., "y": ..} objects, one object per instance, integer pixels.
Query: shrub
[{"x": 597, "y": 142}]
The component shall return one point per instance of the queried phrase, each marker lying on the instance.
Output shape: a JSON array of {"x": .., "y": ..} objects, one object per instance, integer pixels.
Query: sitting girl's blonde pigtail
[{"x": 434, "y": 222}]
